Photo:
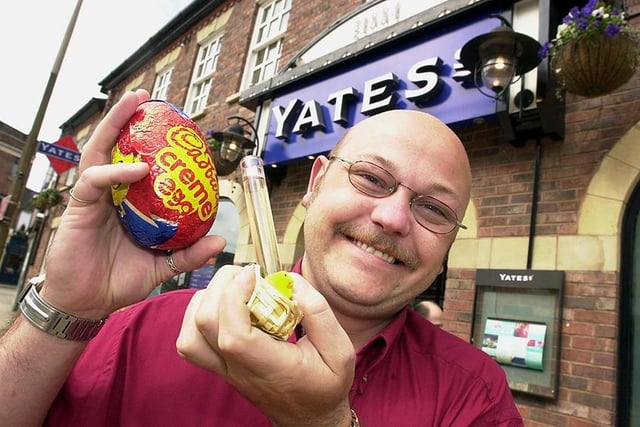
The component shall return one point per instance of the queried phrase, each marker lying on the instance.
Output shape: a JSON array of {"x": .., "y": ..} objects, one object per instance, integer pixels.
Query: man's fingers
[
  {"x": 322, "y": 328},
  {"x": 98, "y": 149},
  {"x": 191, "y": 345},
  {"x": 95, "y": 180},
  {"x": 217, "y": 327},
  {"x": 233, "y": 315},
  {"x": 192, "y": 257},
  {"x": 198, "y": 339}
]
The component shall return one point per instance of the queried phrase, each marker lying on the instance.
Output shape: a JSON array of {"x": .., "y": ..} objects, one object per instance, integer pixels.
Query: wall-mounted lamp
[
  {"x": 498, "y": 57},
  {"x": 229, "y": 146},
  {"x": 185, "y": 41}
]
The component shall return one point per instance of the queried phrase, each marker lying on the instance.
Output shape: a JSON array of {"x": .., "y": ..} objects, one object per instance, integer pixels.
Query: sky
[{"x": 31, "y": 34}]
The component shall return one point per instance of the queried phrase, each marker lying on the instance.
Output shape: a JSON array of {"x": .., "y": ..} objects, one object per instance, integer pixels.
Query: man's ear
[{"x": 318, "y": 170}]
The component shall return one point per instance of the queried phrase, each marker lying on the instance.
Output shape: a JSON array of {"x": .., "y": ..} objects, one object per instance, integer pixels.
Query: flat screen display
[{"x": 515, "y": 342}]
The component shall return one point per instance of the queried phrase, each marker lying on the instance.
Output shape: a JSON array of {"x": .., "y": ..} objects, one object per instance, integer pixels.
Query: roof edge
[{"x": 182, "y": 23}]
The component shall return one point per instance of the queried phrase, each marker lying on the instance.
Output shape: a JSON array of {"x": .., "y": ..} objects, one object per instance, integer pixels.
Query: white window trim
[
  {"x": 256, "y": 47},
  {"x": 162, "y": 83},
  {"x": 203, "y": 80}
]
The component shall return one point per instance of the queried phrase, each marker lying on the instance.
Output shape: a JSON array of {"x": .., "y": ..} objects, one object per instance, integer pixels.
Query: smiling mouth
[{"x": 375, "y": 252}]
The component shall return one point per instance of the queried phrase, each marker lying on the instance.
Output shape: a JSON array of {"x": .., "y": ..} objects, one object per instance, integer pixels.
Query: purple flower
[
  {"x": 574, "y": 13},
  {"x": 588, "y": 8},
  {"x": 544, "y": 50},
  {"x": 612, "y": 30},
  {"x": 594, "y": 18},
  {"x": 582, "y": 23}
]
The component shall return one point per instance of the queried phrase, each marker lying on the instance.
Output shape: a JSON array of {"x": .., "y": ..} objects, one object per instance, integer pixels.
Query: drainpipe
[{"x": 534, "y": 202}]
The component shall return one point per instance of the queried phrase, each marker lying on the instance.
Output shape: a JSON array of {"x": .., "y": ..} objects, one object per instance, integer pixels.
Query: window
[
  {"x": 72, "y": 174},
  {"x": 266, "y": 46},
  {"x": 14, "y": 171},
  {"x": 202, "y": 75},
  {"x": 161, "y": 86}
]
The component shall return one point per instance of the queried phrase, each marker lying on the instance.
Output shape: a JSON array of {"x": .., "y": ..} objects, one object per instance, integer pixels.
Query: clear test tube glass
[{"x": 263, "y": 232}]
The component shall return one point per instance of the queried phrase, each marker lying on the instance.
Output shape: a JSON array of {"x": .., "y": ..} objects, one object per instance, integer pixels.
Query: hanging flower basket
[
  {"x": 46, "y": 199},
  {"x": 595, "y": 66},
  {"x": 595, "y": 50}
]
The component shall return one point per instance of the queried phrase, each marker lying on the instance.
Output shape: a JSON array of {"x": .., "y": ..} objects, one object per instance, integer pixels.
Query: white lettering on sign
[
  {"x": 516, "y": 277},
  {"x": 59, "y": 152},
  {"x": 378, "y": 94}
]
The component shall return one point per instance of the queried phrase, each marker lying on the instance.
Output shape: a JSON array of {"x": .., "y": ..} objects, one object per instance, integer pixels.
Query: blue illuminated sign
[{"x": 419, "y": 74}]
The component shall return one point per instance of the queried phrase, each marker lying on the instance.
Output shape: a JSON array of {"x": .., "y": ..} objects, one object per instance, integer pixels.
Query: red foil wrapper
[{"x": 177, "y": 202}]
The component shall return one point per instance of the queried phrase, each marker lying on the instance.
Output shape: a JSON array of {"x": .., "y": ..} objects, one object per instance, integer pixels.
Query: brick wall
[{"x": 502, "y": 186}]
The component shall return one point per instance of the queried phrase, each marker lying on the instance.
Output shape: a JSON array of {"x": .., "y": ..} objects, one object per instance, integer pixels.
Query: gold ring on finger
[
  {"x": 80, "y": 200},
  {"x": 171, "y": 264}
]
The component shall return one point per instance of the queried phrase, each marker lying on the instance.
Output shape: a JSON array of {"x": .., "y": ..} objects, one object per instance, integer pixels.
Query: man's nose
[{"x": 393, "y": 213}]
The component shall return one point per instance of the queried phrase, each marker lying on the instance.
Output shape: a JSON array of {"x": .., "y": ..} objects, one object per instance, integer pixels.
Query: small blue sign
[{"x": 59, "y": 152}]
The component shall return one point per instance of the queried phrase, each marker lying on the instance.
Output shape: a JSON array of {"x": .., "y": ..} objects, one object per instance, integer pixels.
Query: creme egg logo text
[{"x": 188, "y": 183}]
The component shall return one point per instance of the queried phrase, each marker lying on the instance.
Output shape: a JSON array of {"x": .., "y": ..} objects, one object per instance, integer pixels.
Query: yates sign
[
  {"x": 422, "y": 73},
  {"x": 62, "y": 154}
]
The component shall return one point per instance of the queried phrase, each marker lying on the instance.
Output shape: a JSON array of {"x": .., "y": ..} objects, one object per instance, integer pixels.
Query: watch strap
[{"x": 56, "y": 322}]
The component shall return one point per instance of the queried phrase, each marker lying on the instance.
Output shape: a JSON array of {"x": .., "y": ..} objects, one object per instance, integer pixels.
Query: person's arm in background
[{"x": 93, "y": 268}]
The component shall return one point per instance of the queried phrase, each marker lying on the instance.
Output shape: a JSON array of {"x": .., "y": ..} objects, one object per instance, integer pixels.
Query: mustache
[{"x": 381, "y": 242}]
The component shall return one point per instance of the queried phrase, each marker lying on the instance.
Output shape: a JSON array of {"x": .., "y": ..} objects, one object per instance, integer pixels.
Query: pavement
[{"x": 7, "y": 295}]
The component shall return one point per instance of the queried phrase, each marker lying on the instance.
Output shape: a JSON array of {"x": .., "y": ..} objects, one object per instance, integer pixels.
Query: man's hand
[
  {"x": 94, "y": 267},
  {"x": 302, "y": 383}
]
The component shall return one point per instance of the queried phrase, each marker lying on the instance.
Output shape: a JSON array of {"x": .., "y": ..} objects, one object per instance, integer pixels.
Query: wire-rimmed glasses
[{"x": 375, "y": 181}]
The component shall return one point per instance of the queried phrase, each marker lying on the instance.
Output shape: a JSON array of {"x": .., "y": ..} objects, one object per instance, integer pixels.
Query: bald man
[
  {"x": 382, "y": 210},
  {"x": 430, "y": 311}
]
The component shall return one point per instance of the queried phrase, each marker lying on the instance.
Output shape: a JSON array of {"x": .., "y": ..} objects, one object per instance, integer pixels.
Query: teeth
[{"x": 373, "y": 251}]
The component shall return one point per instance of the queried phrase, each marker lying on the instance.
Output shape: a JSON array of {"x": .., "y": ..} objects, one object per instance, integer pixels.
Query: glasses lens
[
  {"x": 375, "y": 181},
  {"x": 433, "y": 214},
  {"x": 371, "y": 179}
]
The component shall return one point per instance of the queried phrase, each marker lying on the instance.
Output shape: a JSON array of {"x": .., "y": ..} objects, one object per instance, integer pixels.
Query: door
[{"x": 628, "y": 413}]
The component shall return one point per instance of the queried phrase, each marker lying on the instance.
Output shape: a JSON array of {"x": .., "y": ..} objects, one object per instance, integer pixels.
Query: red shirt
[{"x": 411, "y": 374}]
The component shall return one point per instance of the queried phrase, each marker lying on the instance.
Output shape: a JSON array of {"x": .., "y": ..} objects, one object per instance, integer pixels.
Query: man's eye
[
  {"x": 431, "y": 210},
  {"x": 372, "y": 181}
]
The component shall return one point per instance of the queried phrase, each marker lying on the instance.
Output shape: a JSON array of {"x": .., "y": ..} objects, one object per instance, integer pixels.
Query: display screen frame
[{"x": 531, "y": 297}]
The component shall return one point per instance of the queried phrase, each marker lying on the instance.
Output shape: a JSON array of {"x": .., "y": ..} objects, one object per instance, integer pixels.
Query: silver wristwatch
[{"x": 56, "y": 322}]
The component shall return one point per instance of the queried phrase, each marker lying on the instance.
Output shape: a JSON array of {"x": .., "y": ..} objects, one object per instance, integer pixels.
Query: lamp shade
[
  {"x": 232, "y": 142},
  {"x": 499, "y": 56},
  {"x": 231, "y": 145}
]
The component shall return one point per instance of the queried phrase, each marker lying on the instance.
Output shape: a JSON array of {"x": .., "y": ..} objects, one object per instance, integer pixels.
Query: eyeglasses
[{"x": 375, "y": 181}]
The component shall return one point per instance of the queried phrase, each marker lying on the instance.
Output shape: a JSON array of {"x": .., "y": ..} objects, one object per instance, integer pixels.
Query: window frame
[
  {"x": 202, "y": 76},
  {"x": 162, "y": 83},
  {"x": 265, "y": 40}
]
